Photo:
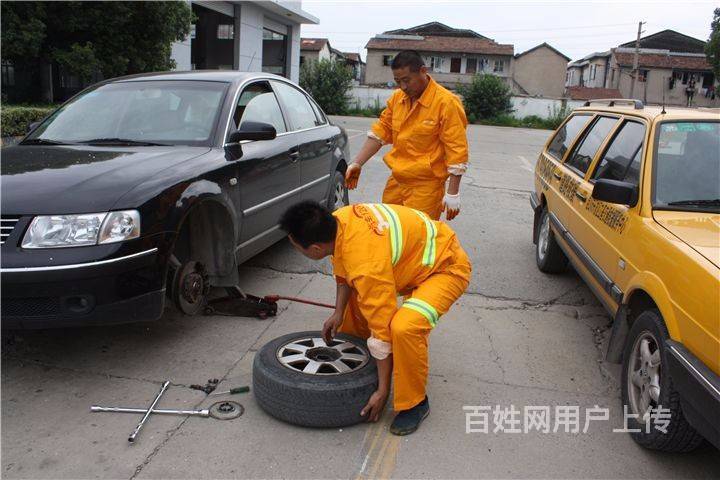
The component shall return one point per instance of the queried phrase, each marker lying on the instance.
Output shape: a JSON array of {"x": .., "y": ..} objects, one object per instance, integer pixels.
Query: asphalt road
[{"x": 517, "y": 338}]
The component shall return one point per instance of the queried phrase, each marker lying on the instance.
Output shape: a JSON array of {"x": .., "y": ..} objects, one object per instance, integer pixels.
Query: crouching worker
[{"x": 381, "y": 252}]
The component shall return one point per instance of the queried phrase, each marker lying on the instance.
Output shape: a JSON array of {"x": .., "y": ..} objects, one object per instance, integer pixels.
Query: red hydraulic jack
[{"x": 239, "y": 304}]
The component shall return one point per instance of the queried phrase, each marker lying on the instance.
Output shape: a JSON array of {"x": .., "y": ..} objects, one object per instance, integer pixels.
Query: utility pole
[{"x": 635, "y": 60}]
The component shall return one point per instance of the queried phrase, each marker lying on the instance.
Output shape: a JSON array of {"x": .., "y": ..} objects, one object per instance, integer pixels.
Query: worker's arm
[
  {"x": 373, "y": 409},
  {"x": 454, "y": 139},
  {"x": 380, "y": 134},
  {"x": 342, "y": 296}
]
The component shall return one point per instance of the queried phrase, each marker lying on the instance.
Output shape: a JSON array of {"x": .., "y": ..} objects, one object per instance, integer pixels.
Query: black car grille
[
  {"x": 7, "y": 223},
  {"x": 30, "y": 307}
]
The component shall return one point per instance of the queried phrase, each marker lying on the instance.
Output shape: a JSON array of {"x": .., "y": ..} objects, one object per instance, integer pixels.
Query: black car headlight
[{"x": 58, "y": 231}]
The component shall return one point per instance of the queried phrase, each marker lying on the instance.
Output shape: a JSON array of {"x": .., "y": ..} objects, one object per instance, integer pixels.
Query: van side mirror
[
  {"x": 253, "y": 131},
  {"x": 615, "y": 191}
]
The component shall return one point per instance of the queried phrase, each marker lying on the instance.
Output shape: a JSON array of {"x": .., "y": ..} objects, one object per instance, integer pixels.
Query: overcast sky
[{"x": 576, "y": 28}]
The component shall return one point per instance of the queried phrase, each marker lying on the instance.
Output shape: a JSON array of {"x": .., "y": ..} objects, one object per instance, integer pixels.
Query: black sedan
[{"x": 156, "y": 186}]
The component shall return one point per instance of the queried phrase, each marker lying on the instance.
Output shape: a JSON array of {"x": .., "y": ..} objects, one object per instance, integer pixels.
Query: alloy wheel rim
[
  {"x": 312, "y": 356},
  {"x": 643, "y": 376}
]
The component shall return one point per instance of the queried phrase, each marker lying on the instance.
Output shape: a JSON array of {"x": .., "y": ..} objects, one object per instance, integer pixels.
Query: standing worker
[
  {"x": 379, "y": 253},
  {"x": 426, "y": 125}
]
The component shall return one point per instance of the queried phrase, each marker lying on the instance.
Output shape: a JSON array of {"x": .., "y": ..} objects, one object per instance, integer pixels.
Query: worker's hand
[
  {"x": 352, "y": 174},
  {"x": 451, "y": 205},
  {"x": 329, "y": 328},
  {"x": 375, "y": 406}
]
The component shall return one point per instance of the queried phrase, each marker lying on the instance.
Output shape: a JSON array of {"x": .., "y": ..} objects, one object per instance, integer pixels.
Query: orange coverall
[
  {"x": 429, "y": 143},
  {"x": 383, "y": 251}
]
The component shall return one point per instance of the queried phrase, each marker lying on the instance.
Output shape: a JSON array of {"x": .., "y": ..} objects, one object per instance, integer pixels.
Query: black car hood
[{"x": 79, "y": 179}]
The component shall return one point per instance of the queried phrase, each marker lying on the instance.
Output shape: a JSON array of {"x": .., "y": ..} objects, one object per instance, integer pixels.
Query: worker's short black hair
[
  {"x": 309, "y": 222},
  {"x": 407, "y": 58}
]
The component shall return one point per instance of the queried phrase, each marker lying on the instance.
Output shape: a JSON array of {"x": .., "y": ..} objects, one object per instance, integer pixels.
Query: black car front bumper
[{"x": 126, "y": 284}]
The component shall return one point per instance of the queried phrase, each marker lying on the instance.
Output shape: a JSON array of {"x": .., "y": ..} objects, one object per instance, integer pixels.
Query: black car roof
[{"x": 203, "y": 75}]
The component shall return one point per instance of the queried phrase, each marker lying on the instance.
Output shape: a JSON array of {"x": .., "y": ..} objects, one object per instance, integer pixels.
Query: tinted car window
[
  {"x": 257, "y": 103},
  {"x": 621, "y": 160},
  {"x": 687, "y": 165},
  {"x": 318, "y": 113},
  {"x": 566, "y": 134},
  {"x": 297, "y": 106},
  {"x": 581, "y": 158},
  {"x": 176, "y": 112}
]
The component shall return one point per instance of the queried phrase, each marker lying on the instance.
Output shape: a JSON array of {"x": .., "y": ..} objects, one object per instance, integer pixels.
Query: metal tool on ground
[
  {"x": 136, "y": 432},
  {"x": 233, "y": 391},
  {"x": 208, "y": 387},
  {"x": 226, "y": 410},
  {"x": 159, "y": 411},
  {"x": 240, "y": 304}
]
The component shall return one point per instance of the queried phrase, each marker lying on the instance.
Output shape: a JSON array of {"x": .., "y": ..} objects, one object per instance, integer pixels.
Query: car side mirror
[
  {"x": 253, "y": 131},
  {"x": 615, "y": 191},
  {"x": 32, "y": 126}
]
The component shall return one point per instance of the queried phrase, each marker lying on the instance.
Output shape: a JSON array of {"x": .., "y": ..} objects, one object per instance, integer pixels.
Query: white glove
[{"x": 451, "y": 205}]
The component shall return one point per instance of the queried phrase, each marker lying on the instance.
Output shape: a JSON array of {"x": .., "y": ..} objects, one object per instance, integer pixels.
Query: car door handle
[
  {"x": 294, "y": 155},
  {"x": 557, "y": 175},
  {"x": 581, "y": 196},
  {"x": 328, "y": 142}
]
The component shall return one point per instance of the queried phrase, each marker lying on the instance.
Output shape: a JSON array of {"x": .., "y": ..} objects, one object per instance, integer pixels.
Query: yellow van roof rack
[{"x": 611, "y": 102}]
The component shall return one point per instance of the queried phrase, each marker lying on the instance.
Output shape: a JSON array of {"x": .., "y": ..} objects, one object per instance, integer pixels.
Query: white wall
[
  {"x": 542, "y": 107},
  {"x": 368, "y": 97}
]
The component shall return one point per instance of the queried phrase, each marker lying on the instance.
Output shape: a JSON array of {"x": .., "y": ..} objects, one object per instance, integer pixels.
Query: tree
[
  {"x": 328, "y": 82},
  {"x": 112, "y": 38},
  {"x": 487, "y": 96},
  {"x": 712, "y": 48}
]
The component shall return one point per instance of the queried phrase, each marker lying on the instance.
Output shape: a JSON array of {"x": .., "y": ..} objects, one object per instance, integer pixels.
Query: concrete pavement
[{"x": 517, "y": 338}]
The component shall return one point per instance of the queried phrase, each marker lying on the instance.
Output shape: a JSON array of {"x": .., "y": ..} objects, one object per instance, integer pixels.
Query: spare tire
[{"x": 300, "y": 379}]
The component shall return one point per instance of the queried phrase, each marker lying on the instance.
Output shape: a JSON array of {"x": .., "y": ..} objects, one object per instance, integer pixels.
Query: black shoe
[{"x": 407, "y": 421}]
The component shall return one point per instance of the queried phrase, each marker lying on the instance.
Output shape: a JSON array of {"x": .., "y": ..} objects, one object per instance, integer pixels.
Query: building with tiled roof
[
  {"x": 672, "y": 69},
  {"x": 452, "y": 55}
]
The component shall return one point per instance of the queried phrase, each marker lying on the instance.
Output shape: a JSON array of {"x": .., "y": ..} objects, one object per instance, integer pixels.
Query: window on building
[
  {"x": 612, "y": 76},
  {"x": 455, "y": 63},
  {"x": 566, "y": 134},
  {"x": 499, "y": 66},
  {"x": 584, "y": 152},
  {"x": 471, "y": 65},
  {"x": 302, "y": 59},
  {"x": 621, "y": 160},
  {"x": 225, "y": 31},
  {"x": 708, "y": 79},
  {"x": 642, "y": 75},
  {"x": 387, "y": 60},
  {"x": 193, "y": 31},
  {"x": 436, "y": 63},
  {"x": 8, "y": 74},
  {"x": 593, "y": 68}
]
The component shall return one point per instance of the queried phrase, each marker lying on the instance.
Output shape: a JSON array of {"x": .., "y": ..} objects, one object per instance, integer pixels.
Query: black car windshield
[
  {"x": 687, "y": 166},
  {"x": 137, "y": 113}
]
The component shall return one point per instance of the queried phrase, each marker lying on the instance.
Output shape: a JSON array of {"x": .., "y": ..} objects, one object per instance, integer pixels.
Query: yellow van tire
[
  {"x": 548, "y": 255},
  {"x": 650, "y": 371}
]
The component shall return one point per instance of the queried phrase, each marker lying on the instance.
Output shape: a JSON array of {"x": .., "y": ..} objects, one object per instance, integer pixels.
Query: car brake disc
[{"x": 226, "y": 410}]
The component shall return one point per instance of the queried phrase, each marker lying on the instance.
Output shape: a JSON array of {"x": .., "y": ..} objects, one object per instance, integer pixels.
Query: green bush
[
  {"x": 15, "y": 120},
  {"x": 374, "y": 111},
  {"x": 328, "y": 82},
  {"x": 487, "y": 96}
]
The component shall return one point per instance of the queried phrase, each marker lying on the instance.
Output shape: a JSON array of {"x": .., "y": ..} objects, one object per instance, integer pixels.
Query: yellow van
[{"x": 630, "y": 196}]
